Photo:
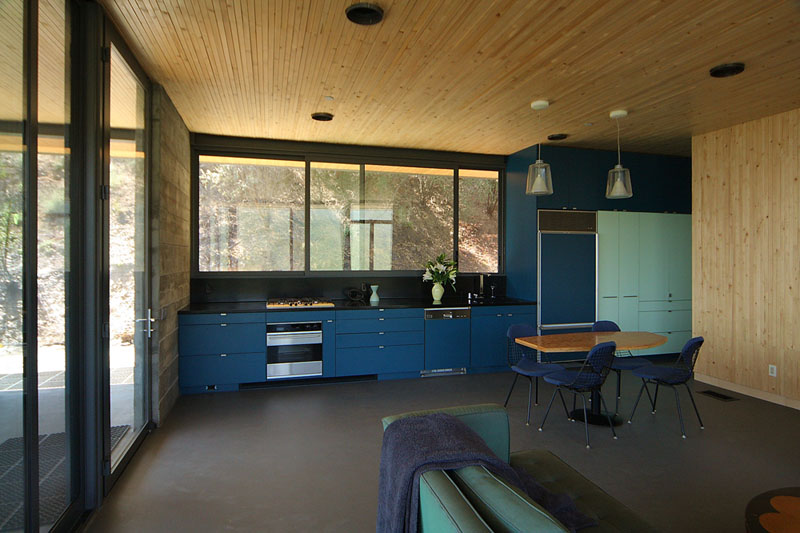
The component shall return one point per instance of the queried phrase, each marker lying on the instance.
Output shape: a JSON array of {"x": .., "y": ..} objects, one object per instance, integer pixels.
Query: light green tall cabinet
[{"x": 644, "y": 276}]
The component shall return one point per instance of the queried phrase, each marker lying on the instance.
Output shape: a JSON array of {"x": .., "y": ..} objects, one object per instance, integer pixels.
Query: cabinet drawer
[
  {"x": 674, "y": 344},
  {"x": 665, "y": 320},
  {"x": 411, "y": 312},
  {"x": 379, "y": 360},
  {"x": 505, "y": 310},
  {"x": 666, "y": 305},
  {"x": 204, "y": 370},
  {"x": 381, "y": 338},
  {"x": 222, "y": 318},
  {"x": 222, "y": 338},
  {"x": 374, "y": 325}
]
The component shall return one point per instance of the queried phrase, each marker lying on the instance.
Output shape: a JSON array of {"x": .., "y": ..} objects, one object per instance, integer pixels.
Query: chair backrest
[
  {"x": 514, "y": 351},
  {"x": 688, "y": 356},
  {"x": 595, "y": 369},
  {"x": 605, "y": 325}
]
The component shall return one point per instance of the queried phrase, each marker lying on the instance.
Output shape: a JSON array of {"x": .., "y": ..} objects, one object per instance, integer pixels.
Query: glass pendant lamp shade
[
  {"x": 618, "y": 185},
  {"x": 539, "y": 181}
]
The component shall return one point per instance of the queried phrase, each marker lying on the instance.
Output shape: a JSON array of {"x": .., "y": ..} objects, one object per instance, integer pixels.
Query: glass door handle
[{"x": 149, "y": 322}]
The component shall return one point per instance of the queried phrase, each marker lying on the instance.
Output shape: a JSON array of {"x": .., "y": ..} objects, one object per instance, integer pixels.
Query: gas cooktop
[{"x": 277, "y": 303}]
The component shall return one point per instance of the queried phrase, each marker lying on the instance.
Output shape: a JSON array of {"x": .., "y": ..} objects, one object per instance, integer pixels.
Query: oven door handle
[{"x": 291, "y": 339}]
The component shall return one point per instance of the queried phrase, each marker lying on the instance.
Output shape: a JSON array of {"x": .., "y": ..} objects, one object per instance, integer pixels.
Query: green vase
[{"x": 437, "y": 291}]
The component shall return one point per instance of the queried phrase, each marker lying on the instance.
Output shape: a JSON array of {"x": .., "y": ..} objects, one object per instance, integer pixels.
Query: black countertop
[{"x": 385, "y": 303}]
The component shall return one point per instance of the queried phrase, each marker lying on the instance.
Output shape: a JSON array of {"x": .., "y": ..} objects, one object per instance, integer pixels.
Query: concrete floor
[{"x": 306, "y": 458}]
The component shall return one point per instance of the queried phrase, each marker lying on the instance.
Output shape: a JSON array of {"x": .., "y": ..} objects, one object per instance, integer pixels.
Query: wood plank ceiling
[{"x": 460, "y": 74}]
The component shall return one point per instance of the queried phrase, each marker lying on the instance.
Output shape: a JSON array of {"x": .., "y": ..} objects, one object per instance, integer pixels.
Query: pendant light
[
  {"x": 539, "y": 182},
  {"x": 618, "y": 185}
]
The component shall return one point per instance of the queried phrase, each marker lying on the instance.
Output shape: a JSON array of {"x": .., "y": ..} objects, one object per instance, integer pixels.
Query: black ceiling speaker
[
  {"x": 322, "y": 117},
  {"x": 726, "y": 70},
  {"x": 557, "y": 136},
  {"x": 364, "y": 13}
]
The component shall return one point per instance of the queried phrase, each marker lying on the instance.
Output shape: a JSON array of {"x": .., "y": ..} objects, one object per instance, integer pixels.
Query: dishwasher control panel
[{"x": 447, "y": 313}]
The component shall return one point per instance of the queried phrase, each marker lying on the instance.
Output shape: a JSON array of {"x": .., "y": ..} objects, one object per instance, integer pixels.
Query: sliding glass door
[{"x": 128, "y": 287}]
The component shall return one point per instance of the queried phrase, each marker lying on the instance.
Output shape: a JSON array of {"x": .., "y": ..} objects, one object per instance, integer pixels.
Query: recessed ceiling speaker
[
  {"x": 364, "y": 13},
  {"x": 726, "y": 70},
  {"x": 557, "y": 136},
  {"x": 322, "y": 117}
]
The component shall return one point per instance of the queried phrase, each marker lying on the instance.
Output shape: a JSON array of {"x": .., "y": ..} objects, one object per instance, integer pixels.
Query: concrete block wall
[{"x": 170, "y": 215}]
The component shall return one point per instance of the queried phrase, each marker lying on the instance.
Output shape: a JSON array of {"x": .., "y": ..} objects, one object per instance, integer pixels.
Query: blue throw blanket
[{"x": 414, "y": 445}]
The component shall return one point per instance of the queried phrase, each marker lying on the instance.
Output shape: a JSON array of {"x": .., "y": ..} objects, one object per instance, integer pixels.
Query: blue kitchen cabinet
[
  {"x": 379, "y": 341},
  {"x": 218, "y": 351},
  {"x": 488, "y": 333}
]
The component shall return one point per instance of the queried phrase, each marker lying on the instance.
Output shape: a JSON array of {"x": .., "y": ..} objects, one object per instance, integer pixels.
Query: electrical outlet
[{"x": 773, "y": 371}]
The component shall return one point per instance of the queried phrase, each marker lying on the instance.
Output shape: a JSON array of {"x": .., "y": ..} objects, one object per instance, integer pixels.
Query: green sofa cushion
[
  {"x": 489, "y": 420},
  {"x": 444, "y": 509},
  {"x": 557, "y": 476}
]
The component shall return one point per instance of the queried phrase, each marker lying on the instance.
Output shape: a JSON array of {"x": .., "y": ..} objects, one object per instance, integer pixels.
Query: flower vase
[
  {"x": 437, "y": 291},
  {"x": 374, "y": 299}
]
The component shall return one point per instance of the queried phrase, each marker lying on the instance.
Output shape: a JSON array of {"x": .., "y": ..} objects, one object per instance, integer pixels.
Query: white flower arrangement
[{"x": 441, "y": 270}]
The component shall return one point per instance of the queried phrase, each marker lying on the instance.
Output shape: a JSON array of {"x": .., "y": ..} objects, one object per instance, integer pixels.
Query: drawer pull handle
[
  {"x": 499, "y": 314},
  {"x": 381, "y": 347},
  {"x": 223, "y": 314},
  {"x": 381, "y": 319},
  {"x": 223, "y": 355},
  {"x": 381, "y": 310},
  {"x": 223, "y": 325},
  {"x": 329, "y": 321},
  {"x": 381, "y": 332},
  {"x": 510, "y": 314}
]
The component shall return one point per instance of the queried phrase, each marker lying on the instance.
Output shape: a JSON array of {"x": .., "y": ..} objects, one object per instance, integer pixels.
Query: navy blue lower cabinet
[
  {"x": 225, "y": 337},
  {"x": 488, "y": 329},
  {"x": 379, "y": 360},
  {"x": 210, "y": 371}
]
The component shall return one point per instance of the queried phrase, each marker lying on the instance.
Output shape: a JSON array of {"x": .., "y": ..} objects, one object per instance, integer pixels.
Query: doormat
[
  {"x": 52, "y": 478},
  {"x": 718, "y": 396}
]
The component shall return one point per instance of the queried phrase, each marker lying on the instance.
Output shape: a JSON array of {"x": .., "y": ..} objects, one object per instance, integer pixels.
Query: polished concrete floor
[{"x": 306, "y": 458}]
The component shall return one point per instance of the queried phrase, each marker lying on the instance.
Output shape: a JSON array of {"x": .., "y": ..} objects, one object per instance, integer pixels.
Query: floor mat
[{"x": 52, "y": 477}]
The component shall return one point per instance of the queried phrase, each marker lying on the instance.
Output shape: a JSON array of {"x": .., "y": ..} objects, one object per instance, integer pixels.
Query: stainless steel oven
[{"x": 294, "y": 349}]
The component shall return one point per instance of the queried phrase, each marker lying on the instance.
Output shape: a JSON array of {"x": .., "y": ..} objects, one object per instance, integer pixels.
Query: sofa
[{"x": 472, "y": 499}]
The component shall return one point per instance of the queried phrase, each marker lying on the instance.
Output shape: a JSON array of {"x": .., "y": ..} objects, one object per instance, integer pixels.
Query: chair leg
[
  {"x": 574, "y": 398},
  {"x": 691, "y": 397},
  {"x": 610, "y": 422},
  {"x": 511, "y": 389},
  {"x": 585, "y": 420},
  {"x": 652, "y": 403},
  {"x": 563, "y": 402},
  {"x": 549, "y": 405},
  {"x": 680, "y": 414},
  {"x": 636, "y": 403},
  {"x": 528, "y": 418},
  {"x": 536, "y": 398},
  {"x": 655, "y": 400},
  {"x": 619, "y": 386}
]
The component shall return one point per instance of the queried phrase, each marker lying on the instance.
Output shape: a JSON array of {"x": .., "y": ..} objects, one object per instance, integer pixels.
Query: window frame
[{"x": 309, "y": 153}]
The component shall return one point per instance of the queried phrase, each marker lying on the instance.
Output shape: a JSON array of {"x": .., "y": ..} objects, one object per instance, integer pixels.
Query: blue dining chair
[
  {"x": 626, "y": 362},
  {"x": 678, "y": 373},
  {"x": 522, "y": 361},
  {"x": 589, "y": 378}
]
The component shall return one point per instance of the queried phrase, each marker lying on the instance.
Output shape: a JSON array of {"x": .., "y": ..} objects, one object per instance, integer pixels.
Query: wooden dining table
[{"x": 583, "y": 342}]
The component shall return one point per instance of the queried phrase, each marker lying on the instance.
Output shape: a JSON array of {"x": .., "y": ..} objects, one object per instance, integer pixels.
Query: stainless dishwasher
[{"x": 447, "y": 341}]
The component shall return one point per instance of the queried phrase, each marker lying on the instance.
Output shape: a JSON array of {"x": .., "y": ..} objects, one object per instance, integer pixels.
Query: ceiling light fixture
[
  {"x": 364, "y": 13},
  {"x": 557, "y": 136},
  {"x": 726, "y": 70},
  {"x": 540, "y": 182},
  {"x": 618, "y": 185},
  {"x": 322, "y": 117}
]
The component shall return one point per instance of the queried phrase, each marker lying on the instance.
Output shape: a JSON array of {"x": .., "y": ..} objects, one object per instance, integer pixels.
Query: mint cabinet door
[
  {"x": 680, "y": 257},
  {"x": 628, "y": 255},
  {"x": 608, "y": 257},
  {"x": 608, "y": 308},
  {"x": 629, "y": 313},
  {"x": 488, "y": 347},
  {"x": 653, "y": 256}
]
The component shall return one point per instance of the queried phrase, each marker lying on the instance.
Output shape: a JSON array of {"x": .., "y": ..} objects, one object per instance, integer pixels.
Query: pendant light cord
[
  {"x": 619, "y": 159},
  {"x": 539, "y": 157}
]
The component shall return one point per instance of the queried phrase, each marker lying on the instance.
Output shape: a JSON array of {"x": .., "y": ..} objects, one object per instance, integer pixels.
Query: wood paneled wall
[{"x": 746, "y": 255}]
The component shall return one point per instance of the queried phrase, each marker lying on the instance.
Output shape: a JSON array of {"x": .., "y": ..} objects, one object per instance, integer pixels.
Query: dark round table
[{"x": 774, "y": 511}]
